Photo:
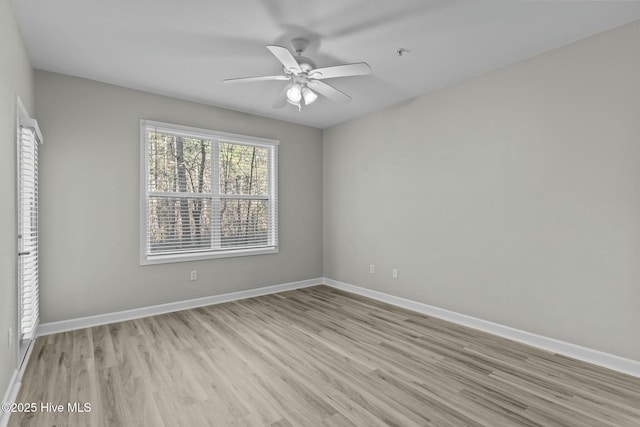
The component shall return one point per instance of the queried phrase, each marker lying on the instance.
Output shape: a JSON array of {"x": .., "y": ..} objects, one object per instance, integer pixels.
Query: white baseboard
[
  {"x": 9, "y": 396},
  {"x": 589, "y": 355},
  {"x": 14, "y": 387},
  {"x": 120, "y": 316}
]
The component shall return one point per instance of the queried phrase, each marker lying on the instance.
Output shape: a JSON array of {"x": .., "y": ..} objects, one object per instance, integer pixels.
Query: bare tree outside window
[
  {"x": 179, "y": 167},
  {"x": 244, "y": 171}
]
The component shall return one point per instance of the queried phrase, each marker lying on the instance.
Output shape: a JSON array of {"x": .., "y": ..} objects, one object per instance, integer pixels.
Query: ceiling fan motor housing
[{"x": 305, "y": 64}]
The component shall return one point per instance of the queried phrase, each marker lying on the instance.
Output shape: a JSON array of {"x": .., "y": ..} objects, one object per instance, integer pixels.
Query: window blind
[{"x": 28, "y": 232}]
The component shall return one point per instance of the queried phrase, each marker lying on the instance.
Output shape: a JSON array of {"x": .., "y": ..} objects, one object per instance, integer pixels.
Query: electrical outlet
[
  {"x": 372, "y": 269},
  {"x": 394, "y": 273},
  {"x": 194, "y": 274}
]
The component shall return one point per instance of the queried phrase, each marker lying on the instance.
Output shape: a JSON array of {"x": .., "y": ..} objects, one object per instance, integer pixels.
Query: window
[{"x": 206, "y": 194}]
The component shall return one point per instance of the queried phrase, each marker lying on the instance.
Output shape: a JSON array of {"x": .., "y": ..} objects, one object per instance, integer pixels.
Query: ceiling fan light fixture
[
  {"x": 309, "y": 95},
  {"x": 294, "y": 94}
]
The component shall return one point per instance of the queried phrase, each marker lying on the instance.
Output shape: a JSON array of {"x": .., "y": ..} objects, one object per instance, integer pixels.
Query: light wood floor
[{"x": 314, "y": 357}]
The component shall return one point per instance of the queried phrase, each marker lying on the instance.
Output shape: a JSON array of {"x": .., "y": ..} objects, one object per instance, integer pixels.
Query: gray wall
[
  {"x": 16, "y": 77},
  {"x": 513, "y": 197},
  {"x": 90, "y": 201}
]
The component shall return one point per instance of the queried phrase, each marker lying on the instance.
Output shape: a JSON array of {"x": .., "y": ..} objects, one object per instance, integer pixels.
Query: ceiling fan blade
[
  {"x": 255, "y": 79},
  {"x": 329, "y": 91},
  {"x": 281, "y": 100},
  {"x": 287, "y": 59},
  {"x": 346, "y": 70}
]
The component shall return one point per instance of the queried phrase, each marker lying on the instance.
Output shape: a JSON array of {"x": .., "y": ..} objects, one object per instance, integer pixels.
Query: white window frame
[{"x": 216, "y": 138}]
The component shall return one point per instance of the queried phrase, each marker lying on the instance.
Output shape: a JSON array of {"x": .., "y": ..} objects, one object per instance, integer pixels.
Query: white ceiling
[{"x": 186, "y": 48}]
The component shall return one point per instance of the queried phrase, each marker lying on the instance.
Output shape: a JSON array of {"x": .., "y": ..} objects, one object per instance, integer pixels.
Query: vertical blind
[{"x": 28, "y": 232}]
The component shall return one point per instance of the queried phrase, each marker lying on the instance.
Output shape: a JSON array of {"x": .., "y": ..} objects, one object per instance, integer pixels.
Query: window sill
[{"x": 171, "y": 258}]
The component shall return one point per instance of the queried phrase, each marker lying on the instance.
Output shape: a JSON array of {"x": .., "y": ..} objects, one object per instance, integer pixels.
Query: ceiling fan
[{"x": 305, "y": 79}]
